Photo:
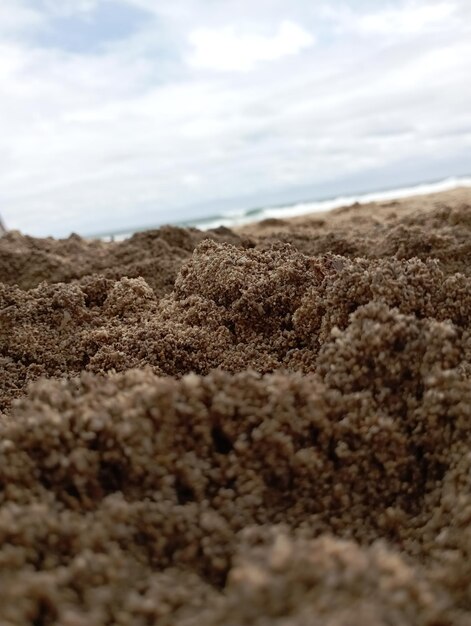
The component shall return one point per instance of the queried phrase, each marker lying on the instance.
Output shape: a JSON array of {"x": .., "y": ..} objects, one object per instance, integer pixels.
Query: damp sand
[{"x": 264, "y": 427}]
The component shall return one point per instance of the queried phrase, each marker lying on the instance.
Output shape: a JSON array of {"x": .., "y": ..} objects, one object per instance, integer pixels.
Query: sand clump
[{"x": 280, "y": 437}]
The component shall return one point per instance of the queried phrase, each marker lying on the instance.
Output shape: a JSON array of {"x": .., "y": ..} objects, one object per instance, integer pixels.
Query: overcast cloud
[{"x": 121, "y": 113}]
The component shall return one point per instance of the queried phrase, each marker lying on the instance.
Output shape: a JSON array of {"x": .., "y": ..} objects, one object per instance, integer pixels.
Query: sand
[{"x": 263, "y": 427}]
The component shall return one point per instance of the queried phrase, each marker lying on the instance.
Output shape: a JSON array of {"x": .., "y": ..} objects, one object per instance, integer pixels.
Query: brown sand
[{"x": 270, "y": 429}]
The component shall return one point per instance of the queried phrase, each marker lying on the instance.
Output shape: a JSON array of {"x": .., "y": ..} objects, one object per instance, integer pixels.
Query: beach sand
[{"x": 263, "y": 427}]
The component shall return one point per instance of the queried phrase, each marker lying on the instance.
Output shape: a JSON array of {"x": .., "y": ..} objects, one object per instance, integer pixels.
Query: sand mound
[
  {"x": 282, "y": 438},
  {"x": 154, "y": 255}
]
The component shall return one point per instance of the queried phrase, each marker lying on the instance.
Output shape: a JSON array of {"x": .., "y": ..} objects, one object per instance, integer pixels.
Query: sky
[{"x": 119, "y": 114}]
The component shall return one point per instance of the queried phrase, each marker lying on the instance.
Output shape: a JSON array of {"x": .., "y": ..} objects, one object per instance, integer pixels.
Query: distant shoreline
[
  {"x": 360, "y": 216},
  {"x": 239, "y": 219}
]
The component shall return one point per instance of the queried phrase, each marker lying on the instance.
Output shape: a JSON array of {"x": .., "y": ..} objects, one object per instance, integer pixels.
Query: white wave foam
[
  {"x": 239, "y": 217},
  {"x": 380, "y": 196}
]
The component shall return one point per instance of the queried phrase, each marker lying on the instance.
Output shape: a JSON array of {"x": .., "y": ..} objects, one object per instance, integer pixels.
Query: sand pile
[
  {"x": 155, "y": 255},
  {"x": 279, "y": 438}
]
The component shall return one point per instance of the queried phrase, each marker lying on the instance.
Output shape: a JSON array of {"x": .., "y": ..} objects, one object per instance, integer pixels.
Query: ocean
[{"x": 233, "y": 218}]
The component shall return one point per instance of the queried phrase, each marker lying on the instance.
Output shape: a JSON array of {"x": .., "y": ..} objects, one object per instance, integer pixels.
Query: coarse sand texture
[{"x": 269, "y": 427}]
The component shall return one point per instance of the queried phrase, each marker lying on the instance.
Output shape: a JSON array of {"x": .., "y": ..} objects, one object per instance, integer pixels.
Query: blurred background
[{"x": 117, "y": 115}]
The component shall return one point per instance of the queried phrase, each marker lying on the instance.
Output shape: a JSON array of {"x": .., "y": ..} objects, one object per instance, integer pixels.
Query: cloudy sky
[{"x": 124, "y": 113}]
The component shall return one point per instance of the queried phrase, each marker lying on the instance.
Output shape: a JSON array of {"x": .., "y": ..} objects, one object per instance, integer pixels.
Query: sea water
[{"x": 233, "y": 218}]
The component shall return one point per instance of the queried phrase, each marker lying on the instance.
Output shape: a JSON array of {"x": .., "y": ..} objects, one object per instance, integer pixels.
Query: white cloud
[
  {"x": 17, "y": 18},
  {"x": 411, "y": 18},
  {"x": 228, "y": 49},
  {"x": 191, "y": 180},
  {"x": 399, "y": 19}
]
